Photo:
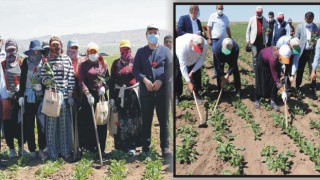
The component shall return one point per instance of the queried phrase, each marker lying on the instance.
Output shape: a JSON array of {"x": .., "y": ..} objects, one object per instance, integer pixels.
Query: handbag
[
  {"x": 52, "y": 102},
  {"x": 102, "y": 112},
  {"x": 113, "y": 122}
]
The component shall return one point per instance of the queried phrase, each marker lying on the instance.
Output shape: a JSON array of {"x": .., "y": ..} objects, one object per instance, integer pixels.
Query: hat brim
[
  {"x": 296, "y": 51},
  {"x": 73, "y": 44},
  {"x": 11, "y": 47},
  {"x": 197, "y": 49},
  {"x": 285, "y": 60},
  {"x": 225, "y": 51}
]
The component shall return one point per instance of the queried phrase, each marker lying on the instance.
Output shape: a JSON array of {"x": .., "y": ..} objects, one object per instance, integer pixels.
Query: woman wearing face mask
[
  {"x": 127, "y": 105},
  {"x": 58, "y": 129},
  {"x": 93, "y": 81},
  {"x": 31, "y": 95},
  {"x": 151, "y": 67},
  {"x": 12, "y": 71}
]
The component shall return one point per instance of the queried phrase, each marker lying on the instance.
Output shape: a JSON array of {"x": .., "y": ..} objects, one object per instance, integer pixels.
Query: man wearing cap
[
  {"x": 152, "y": 67},
  {"x": 227, "y": 51},
  {"x": 190, "y": 23},
  {"x": 191, "y": 51},
  {"x": 218, "y": 25},
  {"x": 269, "y": 32},
  {"x": 281, "y": 28},
  {"x": 12, "y": 71},
  {"x": 292, "y": 29},
  {"x": 31, "y": 96},
  {"x": 307, "y": 32},
  {"x": 294, "y": 44},
  {"x": 58, "y": 129},
  {"x": 255, "y": 33},
  {"x": 268, "y": 74}
]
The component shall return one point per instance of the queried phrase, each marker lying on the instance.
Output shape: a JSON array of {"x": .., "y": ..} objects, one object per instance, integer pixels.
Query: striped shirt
[{"x": 63, "y": 73}]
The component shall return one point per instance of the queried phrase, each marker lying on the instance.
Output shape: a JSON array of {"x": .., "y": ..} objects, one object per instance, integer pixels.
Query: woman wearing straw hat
[
  {"x": 93, "y": 81},
  {"x": 122, "y": 81},
  {"x": 268, "y": 74}
]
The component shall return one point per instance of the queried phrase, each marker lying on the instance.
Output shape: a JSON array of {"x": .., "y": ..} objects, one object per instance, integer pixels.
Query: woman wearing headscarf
[
  {"x": 31, "y": 96},
  {"x": 73, "y": 53},
  {"x": 124, "y": 96},
  {"x": 93, "y": 81},
  {"x": 12, "y": 71},
  {"x": 58, "y": 129},
  {"x": 267, "y": 74}
]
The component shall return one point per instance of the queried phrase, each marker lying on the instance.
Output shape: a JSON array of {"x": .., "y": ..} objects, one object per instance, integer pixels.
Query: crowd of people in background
[
  {"x": 137, "y": 85},
  {"x": 276, "y": 45}
]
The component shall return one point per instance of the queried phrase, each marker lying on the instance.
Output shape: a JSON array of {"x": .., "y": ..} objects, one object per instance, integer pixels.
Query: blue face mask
[
  {"x": 153, "y": 38},
  {"x": 35, "y": 57}
]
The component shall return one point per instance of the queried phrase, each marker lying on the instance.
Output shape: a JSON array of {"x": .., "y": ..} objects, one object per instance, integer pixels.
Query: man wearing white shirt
[
  {"x": 191, "y": 50},
  {"x": 306, "y": 32},
  {"x": 218, "y": 25},
  {"x": 316, "y": 61}
]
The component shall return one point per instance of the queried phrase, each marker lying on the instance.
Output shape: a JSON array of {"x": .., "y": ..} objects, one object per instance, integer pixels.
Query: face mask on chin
[{"x": 308, "y": 24}]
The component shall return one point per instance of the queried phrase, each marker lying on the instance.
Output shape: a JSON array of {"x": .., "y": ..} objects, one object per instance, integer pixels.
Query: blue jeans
[{"x": 214, "y": 44}]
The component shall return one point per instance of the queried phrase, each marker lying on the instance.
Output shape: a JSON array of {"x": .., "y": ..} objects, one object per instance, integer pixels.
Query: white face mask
[
  {"x": 308, "y": 24},
  {"x": 93, "y": 57},
  {"x": 220, "y": 12}
]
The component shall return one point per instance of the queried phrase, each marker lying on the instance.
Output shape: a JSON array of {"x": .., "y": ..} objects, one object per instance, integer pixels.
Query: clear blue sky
[{"x": 244, "y": 12}]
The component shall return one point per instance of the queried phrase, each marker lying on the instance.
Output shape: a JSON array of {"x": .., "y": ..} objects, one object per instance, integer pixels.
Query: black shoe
[{"x": 2, "y": 165}]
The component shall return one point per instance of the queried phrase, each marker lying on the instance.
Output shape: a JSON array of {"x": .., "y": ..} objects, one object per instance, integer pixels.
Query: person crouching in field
[
  {"x": 93, "y": 81},
  {"x": 12, "y": 71},
  {"x": 151, "y": 68},
  {"x": 31, "y": 96},
  {"x": 57, "y": 73},
  {"x": 4, "y": 100},
  {"x": 294, "y": 44},
  {"x": 227, "y": 51},
  {"x": 191, "y": 50},
  {"x": 124, "y": 95},
  {"x": 268, "y": 74}
]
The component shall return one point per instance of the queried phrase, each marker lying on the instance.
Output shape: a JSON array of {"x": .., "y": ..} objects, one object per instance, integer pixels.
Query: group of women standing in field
[{"x": 79, "y": 83}]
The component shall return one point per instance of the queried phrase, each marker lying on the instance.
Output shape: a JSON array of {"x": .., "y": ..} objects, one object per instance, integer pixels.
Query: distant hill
[{"x": 108, "y": 42}]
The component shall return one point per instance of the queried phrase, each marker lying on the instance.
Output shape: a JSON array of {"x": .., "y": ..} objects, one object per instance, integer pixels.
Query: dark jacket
[
  {"x": 231, "y": 59},
  {"x": 142, "y": 67},
  {"x": 185, "y": 25}
]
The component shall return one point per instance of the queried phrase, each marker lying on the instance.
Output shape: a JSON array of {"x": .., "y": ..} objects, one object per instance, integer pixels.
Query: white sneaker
[
  {"x": 131, "y": 152},
  {"x": 12, "y": 153},
  {"x": 33, "y": 155}
]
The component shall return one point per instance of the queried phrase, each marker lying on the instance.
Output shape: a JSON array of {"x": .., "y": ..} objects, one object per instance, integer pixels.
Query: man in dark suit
[
  {"x": 187, "y": 24},
  {"x": 151, "y": 67},
  {"x": 190, "y": 23}
]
